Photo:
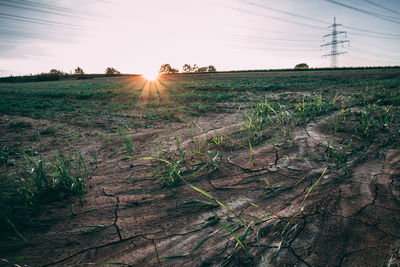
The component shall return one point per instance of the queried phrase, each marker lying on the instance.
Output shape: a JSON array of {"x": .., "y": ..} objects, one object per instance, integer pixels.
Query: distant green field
[{"x": 191, "y": 95}]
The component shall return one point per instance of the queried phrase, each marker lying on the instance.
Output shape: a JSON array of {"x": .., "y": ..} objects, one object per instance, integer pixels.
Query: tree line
[
  {"x": 79, "y": 73},
  {"x": 56, "y": 75},
  {"x": 187, "y": 68}
]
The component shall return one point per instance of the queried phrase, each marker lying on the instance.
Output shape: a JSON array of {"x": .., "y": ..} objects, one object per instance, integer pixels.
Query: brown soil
[{"x": 129, "y": 219}]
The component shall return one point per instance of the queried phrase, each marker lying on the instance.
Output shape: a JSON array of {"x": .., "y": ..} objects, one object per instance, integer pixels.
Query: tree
[
  {"x": 79, "y": 71},
  {"x": 202, "y": 69},
  {"x": 301, "y": 66},
  {"x": 166, "y": 68},
  {"x": 173, "y": 70},
  {"x": 112, "y": 71},
  {"x": 195, "y": 68},
  {"x": 211, "y": 68},
  {"x": 187, "y": 68},
  {"x": 56, "y": 72}
]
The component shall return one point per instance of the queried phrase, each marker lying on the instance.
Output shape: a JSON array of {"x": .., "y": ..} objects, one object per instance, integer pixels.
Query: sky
[{"x": 136, "y": 36}]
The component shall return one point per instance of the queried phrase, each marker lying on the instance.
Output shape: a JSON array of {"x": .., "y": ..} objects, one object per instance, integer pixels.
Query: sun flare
[{"x": 151, "y": 76}]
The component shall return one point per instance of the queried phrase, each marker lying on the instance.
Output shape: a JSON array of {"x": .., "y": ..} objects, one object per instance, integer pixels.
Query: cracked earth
[{"x": 350, "y": 218}]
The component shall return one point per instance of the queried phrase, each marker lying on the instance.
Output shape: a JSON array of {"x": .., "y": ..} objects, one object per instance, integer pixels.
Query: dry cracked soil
[{"x": 281, "y": 200}]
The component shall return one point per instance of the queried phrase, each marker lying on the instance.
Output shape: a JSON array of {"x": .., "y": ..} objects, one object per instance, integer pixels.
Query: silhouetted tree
[
  {"x": 202, "y": 69},
  {"x": 79, "y": 71},
  {"x": 195, "y": 68},
  {"x": 211, "y": 68},
  {"x": 112, "y": 71},
  {"x": 187, "y": 68},
  {"x": 56, "y": 72},
  {"x": 166, "y": 68},
  {"x": 301, "y": 66}
]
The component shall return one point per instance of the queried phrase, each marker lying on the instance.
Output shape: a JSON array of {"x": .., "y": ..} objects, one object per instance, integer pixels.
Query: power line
[
  {"x": 387, "y": 35},
  {"x": 45, "y": 8},
  {"x": 395, "y": 51},
  {"x": 269, "y": 31},
  {"x": 374, "y": 14},
  {"x": 286, "y": 41},
  {"x": 333, "y": 44},
  {"x": 34, "y": 9},
  {"x": 373, "y": 36},
  {"x": 313, "y": 19},
  {"x": 334, "y": 53},
  {"x": 381, "y": 6},
  {"x": 279, "y": 39},
  {"x": 373, "y": 53},
  {"x": 285, "y": 12},
  {"x": 273, "y": 49},
  {"x": 279, "y": 46},
  {"x": 362, "y": 57},
  {"x": 38, "y": 21},
  {"x": 305, "y": 34},
  {"x": 380, "y": 34},
  {"x": 272, "y": 17}
]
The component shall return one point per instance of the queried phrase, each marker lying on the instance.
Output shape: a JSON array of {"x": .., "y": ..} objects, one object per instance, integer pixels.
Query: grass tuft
[{"x": 22, "y": 194}]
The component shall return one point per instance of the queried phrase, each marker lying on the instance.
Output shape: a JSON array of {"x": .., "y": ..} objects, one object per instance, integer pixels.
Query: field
[{"x": 234, "y": 169}]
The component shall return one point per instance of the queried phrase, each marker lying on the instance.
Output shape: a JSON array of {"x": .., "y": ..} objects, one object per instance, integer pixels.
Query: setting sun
[{"x": 151, "y": 76}]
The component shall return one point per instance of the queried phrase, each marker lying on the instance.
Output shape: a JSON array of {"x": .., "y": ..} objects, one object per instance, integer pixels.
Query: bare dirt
[{"x": 128, "y": 219}]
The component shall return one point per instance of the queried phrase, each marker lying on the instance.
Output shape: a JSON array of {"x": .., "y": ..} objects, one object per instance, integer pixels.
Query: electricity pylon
[{"x": 334, "y": 44}]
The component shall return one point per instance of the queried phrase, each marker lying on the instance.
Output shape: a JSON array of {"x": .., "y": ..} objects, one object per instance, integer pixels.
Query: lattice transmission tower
[{"x": 334, "y": 43}]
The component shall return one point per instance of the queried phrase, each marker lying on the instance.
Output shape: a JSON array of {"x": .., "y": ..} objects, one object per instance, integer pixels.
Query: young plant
[
  {"x": 69, "y": 178},
  {"x": 339, "y": 154},
  {"x": 218, "y": 140},
  {"x": 230, "y": 224},
  {"x": 310, "y": 107},
  {"x": 93, "y": 155},
  {"x": 22, "y": 195},
  {"x": 127, "y": 139},
  {"x": 105, "y": 139},
  {"x": 38, "y": 173},
  {"x": 364, "y": 124}
]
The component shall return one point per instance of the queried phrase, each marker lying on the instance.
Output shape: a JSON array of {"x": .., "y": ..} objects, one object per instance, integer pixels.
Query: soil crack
[
  {"x": 370, "y": 204},
  {"x": 115, "y": 213}
]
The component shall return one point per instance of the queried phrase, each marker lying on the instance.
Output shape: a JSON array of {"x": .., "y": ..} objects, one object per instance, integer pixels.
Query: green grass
[
  {"x": 359, "y": 112},
  {"x": 39, "y": 182},
  {"x": 96, "y": 99},
  {"x": 185, "y": 165},
  {"x": 123, "y": 132},
  {"x": 311, "y": 107},
  {"x": 105, "y": 138},
  {"x": 20, "y": 125}
]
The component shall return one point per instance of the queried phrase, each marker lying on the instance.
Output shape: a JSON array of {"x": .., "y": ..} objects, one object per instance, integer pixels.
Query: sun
[{"x": 150, "y": 76}]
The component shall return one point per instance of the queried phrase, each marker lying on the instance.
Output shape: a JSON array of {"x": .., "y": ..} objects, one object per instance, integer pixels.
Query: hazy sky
[{"x": 138, "y": 36}]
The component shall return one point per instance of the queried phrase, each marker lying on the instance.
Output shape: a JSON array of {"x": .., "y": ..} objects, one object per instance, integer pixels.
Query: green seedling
[
  {"x": 127, "y": 139},
  {"x": 93, "y": 155},
  {"x": 105, "y": 139}
]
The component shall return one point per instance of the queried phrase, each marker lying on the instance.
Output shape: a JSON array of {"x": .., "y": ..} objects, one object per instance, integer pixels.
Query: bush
[
  {"x": 301, "y": 66},
  {"x": 112, "y": 71}
]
